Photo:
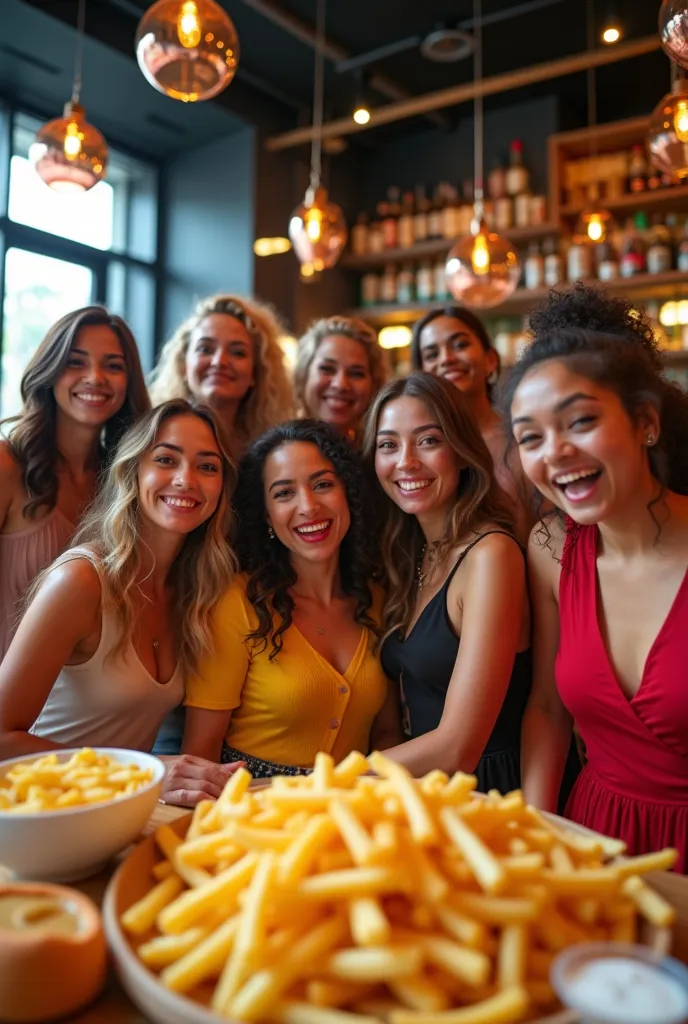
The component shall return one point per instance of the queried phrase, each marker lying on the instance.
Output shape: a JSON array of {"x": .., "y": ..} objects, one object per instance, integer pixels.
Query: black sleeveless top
[{"x": 423, "y": 663}]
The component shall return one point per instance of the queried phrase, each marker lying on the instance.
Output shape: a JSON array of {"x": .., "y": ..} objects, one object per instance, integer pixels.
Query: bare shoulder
[
  {"x": 496, "y": 552},
  {"x": 75, "y": 579}
]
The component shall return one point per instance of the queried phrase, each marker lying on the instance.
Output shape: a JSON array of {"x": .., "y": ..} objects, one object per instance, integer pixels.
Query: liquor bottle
[
  {"x": 517, "y": 175},
  {"x": 435, "y": 215},
  {"x": 424, "y": 282},
  {"x": 420, "y": 218},
  {"x": 388, "y": 285},
  {"x": 496, "y": 181},
  {"x": 682, "y": 250},
  {"x": 441, "y": 292},
  {"x": 405, "y": 228},
  {"x": 450, "y": 213},
  {"x": 607, "y": 262},
  {"x": 405, "y": 282},
  {"x": 359, "y": 235},
  {"x": 634, "y": 249},
  {"x": 659, "y": 250},
  {"x": 391, "y": 218},
  {"x": 376, "y": 242},
  {"x": 637, "y": 170},
  {"x": 554, "y": 265},
  {"x": 534, "y": 270},
  {"x": 370, "y": 289},
  {"x": 579, "y": 259}
]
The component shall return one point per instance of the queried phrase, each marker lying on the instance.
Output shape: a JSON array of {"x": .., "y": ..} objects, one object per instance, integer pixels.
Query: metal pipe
[
  {"x": 456, "y": 94},
  {"x": 389, "y": 50}
]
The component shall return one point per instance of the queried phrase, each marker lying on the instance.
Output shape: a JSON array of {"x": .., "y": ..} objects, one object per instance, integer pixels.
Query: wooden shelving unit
[{"x": 647, "y": 286}]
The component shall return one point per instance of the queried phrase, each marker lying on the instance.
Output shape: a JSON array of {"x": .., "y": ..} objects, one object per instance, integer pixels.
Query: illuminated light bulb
[
  {"x": 271, "y": 246},
  {"x": 317, "y": 230},
  {"x": 72, "y": 142},
  {"x": 594, "y": 225},
  {"x": 611, "y": 35},
  {"x": 188, "y": 27},
  {"x": 681, "y": 120},
  {"x": 187, "y": 49},
  {"x": 361, "y": 114},
  {"x": 69, "y": 154},
  {"x": 668, "y": 314},
  {"x": 395, "y": 336},
  {"x": 682, "y": 312},
  {"x": 482, "y": 268},
  {"x": 667, "y": 137}
]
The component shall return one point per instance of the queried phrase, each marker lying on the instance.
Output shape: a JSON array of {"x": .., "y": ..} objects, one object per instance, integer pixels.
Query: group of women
[{"x": 406, "y": 567}]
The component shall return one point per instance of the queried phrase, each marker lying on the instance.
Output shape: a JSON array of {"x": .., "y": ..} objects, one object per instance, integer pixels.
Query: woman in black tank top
[{"x": 456, "y": 615}]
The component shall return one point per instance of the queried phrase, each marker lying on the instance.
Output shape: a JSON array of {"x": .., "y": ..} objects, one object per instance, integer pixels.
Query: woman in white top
[{"x": 119, "y": 620}]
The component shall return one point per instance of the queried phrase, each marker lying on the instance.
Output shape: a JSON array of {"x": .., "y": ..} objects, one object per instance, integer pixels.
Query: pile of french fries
[
  {"x": 85, "y": 778},
  {"x": 343, "y": 898}
]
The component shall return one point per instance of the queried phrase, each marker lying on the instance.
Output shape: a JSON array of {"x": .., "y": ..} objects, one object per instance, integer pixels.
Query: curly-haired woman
[
  {"x": 295, "y": 669},
  {"x": 227, "y": 356},
  {"x": 339, "y": 369},
  {"x": 81, "y": 390}
]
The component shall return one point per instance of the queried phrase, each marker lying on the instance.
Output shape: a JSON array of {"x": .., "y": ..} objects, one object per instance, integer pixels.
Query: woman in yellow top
[{"x": 295, "y": 668}]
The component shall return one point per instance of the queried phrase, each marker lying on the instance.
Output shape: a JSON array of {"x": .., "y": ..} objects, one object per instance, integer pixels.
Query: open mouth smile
[{"x": 314, "y": 532}]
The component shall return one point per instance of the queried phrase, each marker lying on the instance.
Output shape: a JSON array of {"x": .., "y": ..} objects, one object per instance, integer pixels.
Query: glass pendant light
[
  {"x": 673, "y": 30},
  {"x": 317, "y": 227},
  {"x": 482, "y": 268},
  {"x": 667, "y": 137},
  {"x": 187, "y": 49},
  {"x": 69, "y": 154}
]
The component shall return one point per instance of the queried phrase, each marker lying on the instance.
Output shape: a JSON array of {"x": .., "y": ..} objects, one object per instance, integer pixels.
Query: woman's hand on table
[{"x": 189, "y": 779}]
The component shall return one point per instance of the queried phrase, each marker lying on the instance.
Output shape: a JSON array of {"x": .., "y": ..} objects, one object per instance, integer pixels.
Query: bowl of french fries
[
  {"x": 347, "y": 898},
  {"x": 65, "y": 814}
]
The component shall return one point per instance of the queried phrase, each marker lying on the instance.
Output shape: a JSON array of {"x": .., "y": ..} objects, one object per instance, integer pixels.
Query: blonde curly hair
[
  {"x": 350, "y": 327},
  {"x": 268, "y": 402}
]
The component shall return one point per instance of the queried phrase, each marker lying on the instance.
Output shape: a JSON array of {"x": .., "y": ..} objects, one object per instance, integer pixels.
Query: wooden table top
[{"x": 114, "y": 1007}]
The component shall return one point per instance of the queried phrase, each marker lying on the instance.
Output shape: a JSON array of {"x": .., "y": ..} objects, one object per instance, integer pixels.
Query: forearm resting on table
[
  {"x": 17, "y": 742},
  {"x": 435, "y": 749},
  {"x": 545, "y": 741}
]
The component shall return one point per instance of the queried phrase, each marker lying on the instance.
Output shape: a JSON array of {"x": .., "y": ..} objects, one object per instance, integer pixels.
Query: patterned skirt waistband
[{"x": 259, "y": 768}]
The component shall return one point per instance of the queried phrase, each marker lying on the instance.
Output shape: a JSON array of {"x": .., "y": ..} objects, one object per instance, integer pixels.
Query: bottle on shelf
[
  {"x": 579, "y": 259},
  {"x": 424, "y": 282},
  {"x": 517, "y": 175},
  {"x": 359, "y": 235},
  {"x": 390, "y": 218},
  {"x": 405, "y": 227},
  {"x": 660, "y": 254},
  {"x": 522, "y": 204},
  {"x": 553, "y": 264},
  {"x": 633, "y": 251},
  {"x": 388, "y": 285},
  {"x": 607, "y": 262},
  {"x": 405, "y": 283},
  {"x": 682, "y": 249},
  {"x": 534, "y": 269},
  {"x": 654, "y": 179},
  {"x": 538, "y": 211},
  {"x": 420, "y": 218},
  {"x": 435, "y": 214},
  {"x": 496, "y": 181},
  {"x": 440, "y": 290},
  {"x": 450, "y": 213},
  {"x": 376, "y": 242},
  {"x": 637, "y": 169},
  {"x": 370, "y": 289},
  {"x": 504, "y": 213}
]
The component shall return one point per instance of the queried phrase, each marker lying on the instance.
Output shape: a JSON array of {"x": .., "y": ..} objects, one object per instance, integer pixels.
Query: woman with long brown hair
[
  {"x": 227, "y": 356},
  {"x": 456, "y": 618},
  {"x": 81, "y": 390}
]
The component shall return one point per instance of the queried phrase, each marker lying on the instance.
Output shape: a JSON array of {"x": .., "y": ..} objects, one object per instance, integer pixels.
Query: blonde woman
[
  {"x": 340, "y": 368},
  {"x": 147, "y": 568},
  {"x": 227, "y": 356}
]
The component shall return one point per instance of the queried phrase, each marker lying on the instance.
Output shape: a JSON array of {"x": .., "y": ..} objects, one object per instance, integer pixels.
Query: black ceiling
[{"x": 274, "y": 84}]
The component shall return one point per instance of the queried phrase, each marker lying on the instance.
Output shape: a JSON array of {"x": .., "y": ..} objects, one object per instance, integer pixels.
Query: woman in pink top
[
  {"x": 81, "y": 390},
  {"x": 118, "y": 622}
]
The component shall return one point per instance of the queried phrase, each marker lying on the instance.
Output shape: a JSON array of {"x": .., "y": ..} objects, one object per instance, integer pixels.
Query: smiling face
[
  {"x": 93, "y": 386},
  {"x": 578, "y": 444},
  {"x": 306, "y": 501},
  {"x": 339, "y": 385},
  {"x": 449, "y": 348},
  {"x": 180, "y": 477},
  {"x": 416, "y": 466},
  {"x": 220, "y": 360}
]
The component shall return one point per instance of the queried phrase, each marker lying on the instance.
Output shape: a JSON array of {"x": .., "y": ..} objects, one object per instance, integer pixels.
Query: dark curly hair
[
  {"x": 268, "y": 562},
  {"x": 591, "y": 308},
  {"x": 464, "y": 316},
  {"x": 631, "y": 372}
]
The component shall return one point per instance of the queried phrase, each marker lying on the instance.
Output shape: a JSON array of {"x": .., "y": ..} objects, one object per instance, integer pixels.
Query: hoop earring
[{"x": 271, "y": 533}]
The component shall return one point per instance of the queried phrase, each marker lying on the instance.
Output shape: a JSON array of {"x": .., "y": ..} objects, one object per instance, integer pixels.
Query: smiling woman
[
  {"x": 295, "y": 668},
  {"x": 602, "y": 434},
  {"x": 81, "y": 390},
  {"x": 147, "y": 568}
]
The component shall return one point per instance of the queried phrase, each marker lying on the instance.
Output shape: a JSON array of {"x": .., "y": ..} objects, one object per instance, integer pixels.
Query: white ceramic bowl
[{"x": 66, "y": 845}]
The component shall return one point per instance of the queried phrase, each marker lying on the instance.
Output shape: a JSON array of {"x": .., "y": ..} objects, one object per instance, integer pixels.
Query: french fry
[{"x": 140, "y": 917}]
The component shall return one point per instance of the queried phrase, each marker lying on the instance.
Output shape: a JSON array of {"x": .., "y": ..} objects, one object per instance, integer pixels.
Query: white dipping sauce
[{"x": 628, "y": 991}]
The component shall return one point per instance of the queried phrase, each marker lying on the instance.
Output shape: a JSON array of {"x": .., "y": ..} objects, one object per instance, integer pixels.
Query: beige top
[
  {"x": 106, "y": 701},
  {"x": 22, "y": 556}
]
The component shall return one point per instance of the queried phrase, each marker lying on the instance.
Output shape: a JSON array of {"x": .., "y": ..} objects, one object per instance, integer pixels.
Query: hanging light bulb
[
  {"x": 667, "y": 137},
  {"x": 611, "y": 33},
  {"x": 317, "y": 227},
  {"x": 482, "y": 268},
  {"x": 68, "y": 153},
  {"x": 187, "y": 49},
  {"x": 673, "y": 30},
  {"x": 361, "y": 114}
]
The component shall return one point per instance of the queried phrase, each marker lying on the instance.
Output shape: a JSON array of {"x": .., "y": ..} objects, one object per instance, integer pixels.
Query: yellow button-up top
[{"x": 287, "y": 709}]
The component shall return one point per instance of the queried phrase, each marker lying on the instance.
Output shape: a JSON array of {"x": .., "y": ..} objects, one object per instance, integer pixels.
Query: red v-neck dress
[{"x": 635, "y": 784}]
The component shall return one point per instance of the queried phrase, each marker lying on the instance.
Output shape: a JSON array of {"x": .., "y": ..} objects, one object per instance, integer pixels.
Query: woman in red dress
[{"x": 604, "y": 436}]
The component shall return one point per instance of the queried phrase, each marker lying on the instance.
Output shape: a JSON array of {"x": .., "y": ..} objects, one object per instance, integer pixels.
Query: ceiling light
[
  {"x": 611, "y": 33},
  {"x": 271, "y": 246},
  {"x": 395, "y": 336},
  {"x": 667, "y": 137},
  {"x": 187, "y": 49},
  {"x": 361, "y": 114},
  {"x": 69, "y": 154},
  {"x": 673, "y": 30}
]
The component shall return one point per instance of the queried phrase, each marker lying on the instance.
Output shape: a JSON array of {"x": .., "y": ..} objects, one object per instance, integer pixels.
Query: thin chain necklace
[{"x": 421, "y": 577}]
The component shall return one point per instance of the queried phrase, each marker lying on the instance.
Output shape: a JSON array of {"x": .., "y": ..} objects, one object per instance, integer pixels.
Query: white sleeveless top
[{"x": 107, "y": 702}]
